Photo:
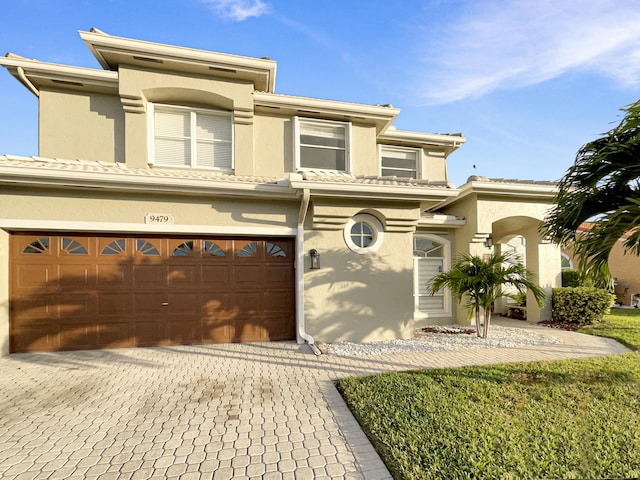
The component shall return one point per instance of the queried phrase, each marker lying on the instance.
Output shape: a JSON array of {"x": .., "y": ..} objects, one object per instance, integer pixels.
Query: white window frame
[
  {"x": 376, "y": 229},
  {"x": 418, "y": 292},
  {"x": 193, "y": 161},
  {"x": 568, "y": 258},
  {"x": 298, "y": 121},
  {"x": 418, "y": 152}
]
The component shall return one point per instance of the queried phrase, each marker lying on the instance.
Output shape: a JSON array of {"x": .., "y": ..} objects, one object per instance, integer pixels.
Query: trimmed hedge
[
  {"x": 571, "y": 278},
  {"x": 581, "y": 305}
]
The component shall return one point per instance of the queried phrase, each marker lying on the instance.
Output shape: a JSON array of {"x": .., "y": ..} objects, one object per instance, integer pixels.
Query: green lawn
[
  {"x": 568, "y": 419},
  {"x": 623, "y": 324}
]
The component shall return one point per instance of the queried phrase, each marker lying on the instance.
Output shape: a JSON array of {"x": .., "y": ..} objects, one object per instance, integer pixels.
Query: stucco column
[{"x": 545, "y": 261}]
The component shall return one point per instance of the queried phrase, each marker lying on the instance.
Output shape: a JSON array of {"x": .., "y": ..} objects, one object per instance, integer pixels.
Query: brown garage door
[{"x": 71, "y": 292}]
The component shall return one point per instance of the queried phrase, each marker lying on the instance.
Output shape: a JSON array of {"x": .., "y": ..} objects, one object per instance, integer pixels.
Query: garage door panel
[
  {"x": 216, "y": 305},
  {"x": 247, "y": 275},
  {"x": 150, "y": 332},
  {"x": 149, "y": 304},
  {"x": 34, "y": 277},
  {"x": 114, "y": 276},
  {"x": 183, "y": 304},
  {"x": 277, "y": 276},
  {"x": 74, "y": 336},
  {"x": 109, "y": 304},
  {"x": 277, "y": 328},
  {"x": 76, "y": 305},
  {"x": 71, "y": 291},
  {"x": 216, "y": 276},
  {"x": 277, "y": 302},
  {"x": 181, "y": 276},
  {"x": 75, "y": 275},
  {"x": 118, "y": 334},
  {"x": 35, "y": 309},
  {"x": 185, "y": 332},
  {"x": 153, "y": 276},
  {"x": 35, "y": 339}
]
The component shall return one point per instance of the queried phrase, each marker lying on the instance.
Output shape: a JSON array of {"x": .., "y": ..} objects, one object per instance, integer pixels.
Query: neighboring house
[
  {"x": 177, "y": 199},
  {"x": 624, "y": 268}
]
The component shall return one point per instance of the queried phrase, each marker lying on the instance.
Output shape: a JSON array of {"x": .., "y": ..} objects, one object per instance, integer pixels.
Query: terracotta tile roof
[{"x": 587, "y": 226}]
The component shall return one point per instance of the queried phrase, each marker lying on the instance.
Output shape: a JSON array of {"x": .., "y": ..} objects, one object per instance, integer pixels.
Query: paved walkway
[{"x": 265, "y": 410}]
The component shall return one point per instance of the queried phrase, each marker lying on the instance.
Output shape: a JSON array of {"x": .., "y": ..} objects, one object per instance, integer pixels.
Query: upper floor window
[
  {"x": 321, "y": 145},
  {"x": 399, "y": 162},
  {"x": 188, "y": 137}
]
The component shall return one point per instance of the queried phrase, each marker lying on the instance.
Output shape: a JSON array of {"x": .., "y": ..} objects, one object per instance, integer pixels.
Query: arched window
[
  {"x": 431, "y": 256},
  {"x": 567, "y": 264}
]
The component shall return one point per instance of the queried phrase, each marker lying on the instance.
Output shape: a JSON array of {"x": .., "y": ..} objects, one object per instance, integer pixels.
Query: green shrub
[
  {"x": 571, "y": 278},
  {"x": 581, "y": 305}
]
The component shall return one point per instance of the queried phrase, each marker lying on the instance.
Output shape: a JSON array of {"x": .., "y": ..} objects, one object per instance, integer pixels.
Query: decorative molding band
[
  {"x": 243, "y": 116},
  {"x": 329, "y": 222},
  {"x": 133, "y": 104},
  {"x": 401, "y": 225}
]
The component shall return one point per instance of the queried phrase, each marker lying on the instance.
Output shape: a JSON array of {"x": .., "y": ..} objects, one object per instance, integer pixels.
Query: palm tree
[
  {"x": 481, "y": 282},
  {"x": 602, "y": 186}
]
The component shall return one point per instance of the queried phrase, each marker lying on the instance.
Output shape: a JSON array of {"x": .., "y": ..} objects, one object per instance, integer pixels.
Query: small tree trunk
[
  {"x": 487, "y": 322},
  {"x": 478, "y": 321}
]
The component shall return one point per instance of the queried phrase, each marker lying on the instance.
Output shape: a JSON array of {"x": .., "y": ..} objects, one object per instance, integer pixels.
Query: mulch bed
[
  {"x": 572, "y": 327},
  {"x": 449, "y": 330}
]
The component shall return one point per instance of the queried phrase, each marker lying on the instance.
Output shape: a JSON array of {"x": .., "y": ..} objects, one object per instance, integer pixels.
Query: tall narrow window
[
  {"x": 430, "y": 257},
  {"x": 184, "y": 137},
  {"x": 322, "y": 145},
  {"x": 399, "y": 162}
]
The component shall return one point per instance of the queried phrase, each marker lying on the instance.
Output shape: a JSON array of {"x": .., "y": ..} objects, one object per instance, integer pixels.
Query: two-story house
[{"x": 177, "y": 199}]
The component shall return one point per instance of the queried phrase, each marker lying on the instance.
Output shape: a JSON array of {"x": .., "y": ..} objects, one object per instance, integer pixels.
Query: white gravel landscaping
[{"x": 448, "y": 339}]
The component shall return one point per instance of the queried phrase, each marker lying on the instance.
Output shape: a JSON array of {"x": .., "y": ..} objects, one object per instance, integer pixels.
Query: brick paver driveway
[{"x": 265, "y": 410}]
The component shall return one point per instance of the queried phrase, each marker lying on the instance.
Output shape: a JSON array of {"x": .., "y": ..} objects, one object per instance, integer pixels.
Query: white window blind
[
  {"x": 399, "y": 163},
  {"x": 428, "y": 268},
  {"x": 192, "y": 138},
  {"x": 323, "y": 145}
]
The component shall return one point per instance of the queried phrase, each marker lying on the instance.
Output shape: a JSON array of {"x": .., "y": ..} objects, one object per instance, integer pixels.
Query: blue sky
[{"x": 527, "y": 82}]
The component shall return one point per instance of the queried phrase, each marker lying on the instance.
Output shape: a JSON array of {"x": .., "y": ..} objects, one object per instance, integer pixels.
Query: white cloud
[
  {"x": 493, "y": 45},
  {"x": 237, "y": 10}
]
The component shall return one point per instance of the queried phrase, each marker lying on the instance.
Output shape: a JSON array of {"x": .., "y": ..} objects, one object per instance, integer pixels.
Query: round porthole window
[{"x": 363, "y": 234}]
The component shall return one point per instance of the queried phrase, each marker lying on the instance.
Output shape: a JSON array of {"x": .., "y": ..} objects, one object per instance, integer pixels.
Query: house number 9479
[{"x": 158, "y": 218}]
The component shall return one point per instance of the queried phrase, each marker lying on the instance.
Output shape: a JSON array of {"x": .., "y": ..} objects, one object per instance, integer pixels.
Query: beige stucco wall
[
  {"x": 359, "y": 297},
  {"x": 90, "y": 206},
  {"x": 84, "y": 126},
  {"x": 434, "y": 166},
  {"x": 364, "y": 153},
  {"x": 624, "y": 267},
  {"x": 273, "y": 137},
  {"x": 502, "y": 217}
]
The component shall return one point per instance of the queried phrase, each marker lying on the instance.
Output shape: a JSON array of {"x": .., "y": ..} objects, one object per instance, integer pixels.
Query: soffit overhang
[
  {"x": 379, "y": 115},
  {"x": 43, "y": 75},
  {"x": 446, "y": 142},
  {"x": 425, "y": 195},
  {"x": 112, "y": 51},
  {"x": 512, "y": 190}
]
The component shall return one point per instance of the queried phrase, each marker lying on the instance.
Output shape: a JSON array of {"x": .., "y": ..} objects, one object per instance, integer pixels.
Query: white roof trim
[
  {"x": 35, "y": 70},
  {"x": 382, "y": 116},
  {"x": 101, "y": 43}
]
